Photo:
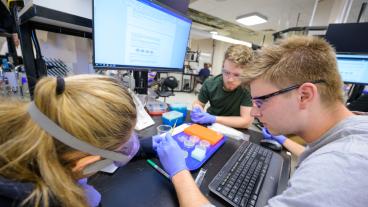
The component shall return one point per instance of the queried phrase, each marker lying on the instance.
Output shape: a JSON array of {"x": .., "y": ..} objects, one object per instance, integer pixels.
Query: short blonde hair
[
  {"x": 296, "y": 60},
  {"x": 239, "y": 54},
  {"x": 95, "y": 109}
]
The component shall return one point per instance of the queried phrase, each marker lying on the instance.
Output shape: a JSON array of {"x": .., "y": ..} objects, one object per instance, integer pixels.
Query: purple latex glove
[
  {"x": 267, "y": 135},
  {"x": 196, "y": 112},
  {"x": 93, "y": 196},
  {"x": 156, "y": 140},
  {"x": 171, "y": 156},
  {"x": 198, "y": 116}
]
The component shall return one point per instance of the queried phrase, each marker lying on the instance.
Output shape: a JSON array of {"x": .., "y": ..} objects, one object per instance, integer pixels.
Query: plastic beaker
[
  {"x": 161, "y": 129},
  {"x": 204, "y": 143},
  {"x": 194, "y": 139}
]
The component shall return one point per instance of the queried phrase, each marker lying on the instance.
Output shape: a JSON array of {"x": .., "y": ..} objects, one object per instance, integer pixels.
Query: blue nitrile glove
[
  {"x": 204, "y": 118},
  {"x": 198, "y": 116},
  {"x": 196, "y": 111},
  {"x": 267, "y": 135},
  {"x": 93, "y": 196},
  {"x": 171, "y": 156},
  {"x": 156, "y": 139}
]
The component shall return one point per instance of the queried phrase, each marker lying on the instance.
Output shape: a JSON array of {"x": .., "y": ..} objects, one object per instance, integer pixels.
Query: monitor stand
[{"x": 141, "y": 81}]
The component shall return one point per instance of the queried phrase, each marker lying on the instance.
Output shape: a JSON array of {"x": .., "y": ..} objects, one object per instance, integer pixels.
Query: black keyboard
[{"x": 250, "y": 177}]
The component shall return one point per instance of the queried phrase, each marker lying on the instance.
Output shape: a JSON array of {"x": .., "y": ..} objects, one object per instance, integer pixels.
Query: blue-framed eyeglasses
[{"x": 258, "y": 101}]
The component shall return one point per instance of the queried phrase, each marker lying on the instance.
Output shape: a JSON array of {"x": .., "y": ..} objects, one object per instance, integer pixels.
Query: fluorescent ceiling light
[
  {"x": 214, "y": 32},
  {"x": 231, "y": 40},
  {"x": 251, "y": 19}
]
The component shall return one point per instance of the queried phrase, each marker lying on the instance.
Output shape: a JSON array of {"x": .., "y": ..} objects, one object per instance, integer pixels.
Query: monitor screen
[
  {"x": 348, "y": 37},
  {"x": 353, "y": 68},
  {"x": 138, "y": 35}
]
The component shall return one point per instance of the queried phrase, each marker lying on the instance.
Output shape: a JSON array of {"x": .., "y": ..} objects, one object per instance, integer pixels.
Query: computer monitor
[
  {"x": 353, "y": 68},
  {"x": 181, "y": 6},
  {"x": 138, "y": 35},
  {"x": 348, "y": 37}
]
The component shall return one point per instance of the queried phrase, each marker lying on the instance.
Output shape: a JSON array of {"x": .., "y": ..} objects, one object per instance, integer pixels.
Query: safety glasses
[{"x": 259, "y": 100}]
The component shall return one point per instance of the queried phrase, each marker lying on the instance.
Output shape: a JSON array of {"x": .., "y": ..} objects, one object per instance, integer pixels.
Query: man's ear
[
  {"x": 307, "y": 94},
  {"x": 84, "y": 162}
]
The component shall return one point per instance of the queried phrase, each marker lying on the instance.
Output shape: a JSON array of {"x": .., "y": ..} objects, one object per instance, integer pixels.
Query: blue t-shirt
[{"x": 204, "y": 73}]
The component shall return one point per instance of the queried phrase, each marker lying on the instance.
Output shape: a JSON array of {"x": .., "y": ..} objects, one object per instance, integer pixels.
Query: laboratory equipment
[
  {"x": 204, "y": 133},
  {"x": 228, "y": 131},
  {"x": 204, "y": 143},
  {"x": 188, "y": 144},
  {"x": 182, "y": 138},
  {"x": 194, "y": 139},
  {"x": 156, "y": 108},
  {"x": 199, "y": 153},
  {"x": 172, "y": 117},
  {"x": 179, "y": 107},
  {"x": 163, "y": 129}
]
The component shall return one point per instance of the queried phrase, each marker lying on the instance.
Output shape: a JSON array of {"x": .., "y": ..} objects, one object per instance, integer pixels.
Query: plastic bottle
[{"x": 24, "y": 85}]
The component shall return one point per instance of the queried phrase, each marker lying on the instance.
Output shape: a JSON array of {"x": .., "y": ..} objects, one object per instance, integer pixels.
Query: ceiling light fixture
[
  {"x": 251, "y": 19},
  {"x": 214, "y": 32},
  {"x": 231, "y": 40}
]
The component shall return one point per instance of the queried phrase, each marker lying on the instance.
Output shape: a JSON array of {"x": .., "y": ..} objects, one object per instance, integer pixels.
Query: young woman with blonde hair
[
  {"x": 73, "y": 128},
  {"x": 36, "y": 168}
]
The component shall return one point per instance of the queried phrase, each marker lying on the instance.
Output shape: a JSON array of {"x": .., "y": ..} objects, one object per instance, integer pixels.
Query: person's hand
[
  {"x": 156, "y": 140},
  {"x": 267, "y": 135},
  {"x": 203, "y": 118},
  {"x": 199, "y": 116},
  {"x": 93, "y": 196},
  {"x": 171, "y": 156},
  {"x": 197, "y": 109},
  {"x": 196, "y": 112}
]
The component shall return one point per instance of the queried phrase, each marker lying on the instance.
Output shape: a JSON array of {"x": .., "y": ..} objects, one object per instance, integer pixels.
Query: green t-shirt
[{"x": 223, "y": 103}]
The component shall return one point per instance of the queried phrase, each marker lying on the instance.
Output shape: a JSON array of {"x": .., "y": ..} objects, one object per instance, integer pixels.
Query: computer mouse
[{"x": 271, "y": 144}]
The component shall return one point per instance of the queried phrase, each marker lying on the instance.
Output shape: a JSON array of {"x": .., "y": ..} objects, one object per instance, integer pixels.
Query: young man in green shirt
[{"x": 230, "y": 103}]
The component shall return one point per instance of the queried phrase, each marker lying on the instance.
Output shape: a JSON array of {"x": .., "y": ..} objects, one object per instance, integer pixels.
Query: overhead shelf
[{"x": 49, "y": 19}]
